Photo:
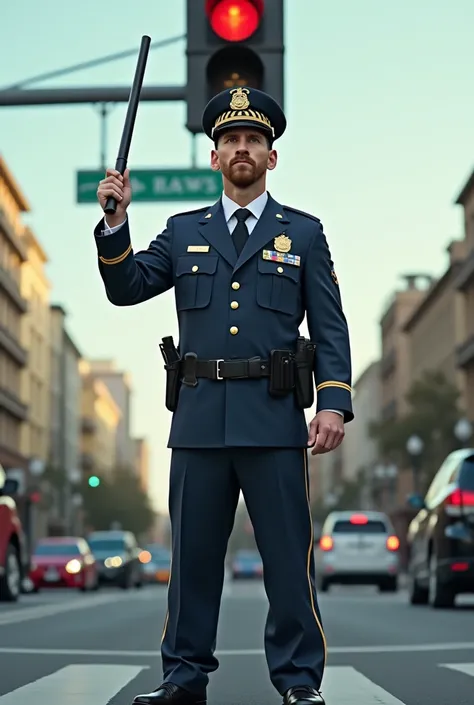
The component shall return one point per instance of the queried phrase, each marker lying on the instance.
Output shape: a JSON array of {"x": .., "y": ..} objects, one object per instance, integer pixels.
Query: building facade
[
  {"x": 465, "y": 285},
  {"x": 395, "y": 354},
  {"x": 35, "y": 337},
  {"x": 359, "y": 449},
  {"x": 65, "y": 419},
  {"x": 100, "y": 420},
  {"x": 13, "y": 356},
  {"x": 436, "y": 327},
  {"x": 142, "y": 463},
  {"x": 119, "y": 386}
]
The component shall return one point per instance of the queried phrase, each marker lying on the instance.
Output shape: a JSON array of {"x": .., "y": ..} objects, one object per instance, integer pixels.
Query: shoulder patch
[
  {"x": 196, "y": 210},
  {"x": 306, "y": 215}
]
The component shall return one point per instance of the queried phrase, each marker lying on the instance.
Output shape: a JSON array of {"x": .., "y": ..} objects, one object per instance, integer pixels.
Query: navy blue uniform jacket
[{"x": 238, "y": 307}]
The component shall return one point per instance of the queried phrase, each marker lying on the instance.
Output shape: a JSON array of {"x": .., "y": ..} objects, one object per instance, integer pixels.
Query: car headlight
[
  {"x": 74, "y": 567},
  {"x": 113, "y": 562}
]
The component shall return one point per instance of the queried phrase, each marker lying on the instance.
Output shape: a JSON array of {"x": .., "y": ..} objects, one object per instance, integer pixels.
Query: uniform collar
[{"x": 256, "y": 207}]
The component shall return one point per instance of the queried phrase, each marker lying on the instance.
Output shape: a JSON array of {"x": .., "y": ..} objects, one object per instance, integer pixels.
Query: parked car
[
  {"x": 117, "y": 555},
  {"x": 156, "y": 561},
  {"x": 441, "y": 536},
  {"x": 358, "y": 548},
  {"x": 247, "y": 564},
  {"x": 14, "y": 557},
  {"x": 64, "y": 561}
]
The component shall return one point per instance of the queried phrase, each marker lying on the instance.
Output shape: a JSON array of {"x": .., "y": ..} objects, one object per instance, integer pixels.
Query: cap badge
[
  {"x": 282, "y": 243},
  {"x": 239, "y": 99}
]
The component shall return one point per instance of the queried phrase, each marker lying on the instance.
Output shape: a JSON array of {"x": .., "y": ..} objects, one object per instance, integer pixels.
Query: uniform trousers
[{"x": 204, "y": 491}]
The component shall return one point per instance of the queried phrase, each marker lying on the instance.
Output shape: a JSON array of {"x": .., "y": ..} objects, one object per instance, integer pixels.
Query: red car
[{"x": 63, "y": 562}]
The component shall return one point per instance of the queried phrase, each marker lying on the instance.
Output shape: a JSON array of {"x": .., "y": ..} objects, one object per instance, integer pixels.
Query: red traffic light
[{"x": 234, "y": 20}]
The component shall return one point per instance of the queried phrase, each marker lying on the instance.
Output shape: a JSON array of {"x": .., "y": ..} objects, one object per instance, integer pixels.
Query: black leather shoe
[
  {"x": 172, "y": 694},
  {"x": 303, "y": 695}
]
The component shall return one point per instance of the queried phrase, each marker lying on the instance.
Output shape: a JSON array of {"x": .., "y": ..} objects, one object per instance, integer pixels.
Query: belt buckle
[{"x": 218, "y": 374}]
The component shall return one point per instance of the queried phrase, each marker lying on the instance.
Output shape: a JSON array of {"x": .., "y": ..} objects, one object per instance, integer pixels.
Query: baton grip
[{"x": 111, "y": 203}]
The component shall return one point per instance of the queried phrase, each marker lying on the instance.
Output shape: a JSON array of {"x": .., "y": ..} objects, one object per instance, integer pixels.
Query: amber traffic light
[{"x": 232, "y": 43}]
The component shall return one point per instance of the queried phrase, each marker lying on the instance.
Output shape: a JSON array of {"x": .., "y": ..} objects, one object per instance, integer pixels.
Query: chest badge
[{"x": 282, "y": 243}]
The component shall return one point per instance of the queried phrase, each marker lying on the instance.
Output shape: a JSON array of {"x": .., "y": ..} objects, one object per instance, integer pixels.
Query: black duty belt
[{"x": 193, "y": 368}]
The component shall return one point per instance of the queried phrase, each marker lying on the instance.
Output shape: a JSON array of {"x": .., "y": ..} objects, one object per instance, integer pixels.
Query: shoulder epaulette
[
  {"x": 307, "y": 215},
  {"x": 196, "y": 210}
]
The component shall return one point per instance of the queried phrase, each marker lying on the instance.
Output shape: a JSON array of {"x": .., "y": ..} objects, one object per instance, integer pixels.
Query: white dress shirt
[{"x": 256, "y": 208}]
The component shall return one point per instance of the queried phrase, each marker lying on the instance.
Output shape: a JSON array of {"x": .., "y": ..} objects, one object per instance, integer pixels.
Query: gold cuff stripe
[
  {"x": 333, "y": 383},
  {"x": 117, "y": 260},
  {"x": 310, "y": 553}
]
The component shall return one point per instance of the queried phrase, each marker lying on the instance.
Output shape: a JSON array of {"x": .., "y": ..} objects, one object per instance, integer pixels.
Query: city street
[{"x": 74, "y": 649}]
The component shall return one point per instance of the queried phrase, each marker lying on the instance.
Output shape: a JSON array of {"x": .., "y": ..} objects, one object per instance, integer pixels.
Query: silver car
[{"x": 358, "y": 548}]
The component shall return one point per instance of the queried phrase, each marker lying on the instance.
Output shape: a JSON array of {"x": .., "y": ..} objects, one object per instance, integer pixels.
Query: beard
[{"x": 243, "y": 175}]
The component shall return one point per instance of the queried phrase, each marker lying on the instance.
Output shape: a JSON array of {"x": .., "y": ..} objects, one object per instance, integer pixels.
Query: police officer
[{"x": 245, "y": 271}]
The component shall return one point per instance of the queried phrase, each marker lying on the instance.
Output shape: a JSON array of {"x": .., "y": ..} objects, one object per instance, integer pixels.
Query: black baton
[{"x": 133, "y": 101}]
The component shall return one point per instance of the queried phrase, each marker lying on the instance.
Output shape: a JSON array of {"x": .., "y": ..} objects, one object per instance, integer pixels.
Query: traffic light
[
  {"x": 232, "y": 43},
  {"x": 93, "y": 481}
]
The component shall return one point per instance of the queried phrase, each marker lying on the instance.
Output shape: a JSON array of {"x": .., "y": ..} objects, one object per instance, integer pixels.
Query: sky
[{"x": 380, "y": 109}]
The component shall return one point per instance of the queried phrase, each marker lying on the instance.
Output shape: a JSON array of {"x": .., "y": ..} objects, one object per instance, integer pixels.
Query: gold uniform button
[
  {"x": 234, "y": 330},
  {"x": 235, "y": 286},
  {"x": 280, "y": 270},
  {"x": 195, "y": 268},
  {"x": 234, "y": 304}
]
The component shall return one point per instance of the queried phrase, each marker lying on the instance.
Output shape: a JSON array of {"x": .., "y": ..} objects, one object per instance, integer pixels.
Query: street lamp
[
  {"x": 415, "y": 447},
  {"x": 463, "y": 430}
]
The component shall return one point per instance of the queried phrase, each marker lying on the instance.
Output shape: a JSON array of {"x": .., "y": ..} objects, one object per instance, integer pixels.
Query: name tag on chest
[
  {"x": 283, "y": 257},
  {"x": 198, "y": 248}
]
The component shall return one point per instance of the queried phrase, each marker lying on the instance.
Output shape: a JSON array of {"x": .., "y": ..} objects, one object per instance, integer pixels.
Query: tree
[
  {"x": 433, "y": 412},
  {"x": 121, "y": 500}
]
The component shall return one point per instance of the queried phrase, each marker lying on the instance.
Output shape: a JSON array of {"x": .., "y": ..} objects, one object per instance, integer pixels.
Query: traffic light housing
[{"x": 232, "y": 43}]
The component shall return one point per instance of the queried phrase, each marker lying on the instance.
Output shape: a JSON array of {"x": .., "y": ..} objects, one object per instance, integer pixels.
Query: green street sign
[{"x": 155, "y": 185}]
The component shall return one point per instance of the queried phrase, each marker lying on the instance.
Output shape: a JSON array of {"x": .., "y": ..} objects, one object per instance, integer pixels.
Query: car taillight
[
  {"x": 393, "y": 544},
  {"x": 326, "y": 543},
  {"x": 458, "y": 498}
]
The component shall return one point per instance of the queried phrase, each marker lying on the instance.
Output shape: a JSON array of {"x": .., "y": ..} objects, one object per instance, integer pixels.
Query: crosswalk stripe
[
  {"x": 74, "y": 685},
  {"x": 467, "y": 668},
  {"x": 344, "y": 685},
  {"x": 77, "y": 684}
]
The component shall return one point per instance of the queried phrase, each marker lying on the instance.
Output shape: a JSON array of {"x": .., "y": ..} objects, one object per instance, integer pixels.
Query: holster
[
  {"x": 304, "y": 364},
  {"x": 172, "y": 360},
  {"x": 282, "y": 373}
]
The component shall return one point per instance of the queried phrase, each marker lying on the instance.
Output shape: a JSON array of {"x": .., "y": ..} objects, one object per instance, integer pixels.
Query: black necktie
[{"x": 241, "y": 233}]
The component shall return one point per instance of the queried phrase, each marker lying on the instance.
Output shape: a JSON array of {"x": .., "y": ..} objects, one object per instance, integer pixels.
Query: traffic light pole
[{"x": 92, "y": 94}]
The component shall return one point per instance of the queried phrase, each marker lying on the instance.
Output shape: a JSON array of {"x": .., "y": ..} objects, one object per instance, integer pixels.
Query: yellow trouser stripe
[
  {"x": 331, "y": 383},
  {"x": 165, "y": 626},
  {"x": 117, "y": 260},
  {"x": 310, "y": 551},
  {"x": 308, "y": 565}
]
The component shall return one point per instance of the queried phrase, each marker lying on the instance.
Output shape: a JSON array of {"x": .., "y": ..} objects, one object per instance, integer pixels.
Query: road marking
[
  {"x": 74, "y": 684},
  {"x": 27, "y": 613},
  {"x": 77, "y": 684},
  {"x": 153, "y": 653},
  {"x": 467, "y": 668},
  {"x": 346, "y": 686}
]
